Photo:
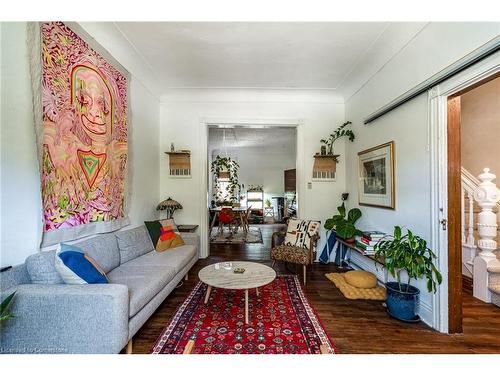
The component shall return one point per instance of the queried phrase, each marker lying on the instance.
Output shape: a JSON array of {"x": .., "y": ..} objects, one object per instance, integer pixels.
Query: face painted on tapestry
[{"x": 93, "y": 103}]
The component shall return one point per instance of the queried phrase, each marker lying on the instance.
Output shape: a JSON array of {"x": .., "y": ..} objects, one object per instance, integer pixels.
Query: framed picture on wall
[{"x": 376, "y": 176}]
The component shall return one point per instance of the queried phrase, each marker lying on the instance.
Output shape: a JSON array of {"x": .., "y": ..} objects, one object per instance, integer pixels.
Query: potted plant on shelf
[
  {"x": 340, "y": 132},
  {"x": 408, "y": 253},
  {"x": 344, "y": 224},
  {"x": 225, "y": 168}
]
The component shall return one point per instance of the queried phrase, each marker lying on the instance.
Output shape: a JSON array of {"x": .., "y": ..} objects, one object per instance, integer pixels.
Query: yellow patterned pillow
[{"x": 361, "y": 279}]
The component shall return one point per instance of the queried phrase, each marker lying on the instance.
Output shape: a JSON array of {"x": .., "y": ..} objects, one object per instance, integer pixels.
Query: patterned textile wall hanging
[{"x": 80, "y": 105}]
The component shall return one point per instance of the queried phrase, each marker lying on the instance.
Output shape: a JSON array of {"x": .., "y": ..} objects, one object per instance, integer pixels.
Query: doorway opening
[
  {"x": 473, "y": 141},
  {"x": 252, "y": 186}
]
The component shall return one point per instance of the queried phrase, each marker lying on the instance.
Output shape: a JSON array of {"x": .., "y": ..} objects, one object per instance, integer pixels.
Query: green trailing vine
[
  {"x": 340, "y": 132},
  {"x": 225, "y": 164}
]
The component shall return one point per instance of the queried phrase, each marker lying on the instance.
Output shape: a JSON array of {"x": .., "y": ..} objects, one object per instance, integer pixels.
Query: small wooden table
[
  {"x": 221, "y": 275},
  {"x": 187, "y": 228}
]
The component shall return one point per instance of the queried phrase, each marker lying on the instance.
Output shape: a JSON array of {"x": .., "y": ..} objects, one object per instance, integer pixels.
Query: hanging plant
[
  {"x": 340, "y": 132},
  {"x": 227, "y": 168}
]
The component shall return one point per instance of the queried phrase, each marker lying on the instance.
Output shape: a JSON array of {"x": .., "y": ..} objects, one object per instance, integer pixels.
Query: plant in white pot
[{"x": 409, "y": 253}]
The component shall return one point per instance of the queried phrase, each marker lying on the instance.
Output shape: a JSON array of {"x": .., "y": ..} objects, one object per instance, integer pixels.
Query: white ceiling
[
  {"x": 252, "y": 55},
  {"x": 275, "y": 137}
]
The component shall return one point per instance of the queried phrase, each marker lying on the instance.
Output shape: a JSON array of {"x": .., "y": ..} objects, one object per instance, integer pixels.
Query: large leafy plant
[
  {"x": 340, "y": 132},
  {"x": 4, "y": 308},
  {"x": 410, "y": 253},
  {"x": 231, "y": 167},
  {"x": 344, "y": 224}
]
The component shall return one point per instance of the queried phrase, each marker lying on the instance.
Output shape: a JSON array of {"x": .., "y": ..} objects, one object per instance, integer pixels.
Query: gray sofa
[{"x": 98, "y": 318}]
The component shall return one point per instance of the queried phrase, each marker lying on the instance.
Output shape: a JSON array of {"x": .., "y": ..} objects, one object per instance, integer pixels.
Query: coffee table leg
[
  {"x": 207, "y": 296},
  {"x": 246, "y": 306}
]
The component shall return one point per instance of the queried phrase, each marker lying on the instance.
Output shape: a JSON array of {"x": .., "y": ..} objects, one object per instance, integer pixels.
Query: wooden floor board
[{"x": 355, "y": 326}]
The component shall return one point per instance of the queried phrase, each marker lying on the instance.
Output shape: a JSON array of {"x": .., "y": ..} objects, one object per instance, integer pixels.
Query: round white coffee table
[{"x": 222, "y": 275}]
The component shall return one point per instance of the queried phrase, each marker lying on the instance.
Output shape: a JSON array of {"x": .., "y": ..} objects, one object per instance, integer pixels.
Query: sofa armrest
[
  {"x": 191, "y": 239},
  {"x": 66, "y": 319}
]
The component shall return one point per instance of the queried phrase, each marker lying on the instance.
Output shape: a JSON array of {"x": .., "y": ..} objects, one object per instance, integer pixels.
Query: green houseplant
[
  {"x": 406, "y": 252},
  {"x": 4, "y": 308},
  {"x": 340, "y": 132},
  {"x": 343, "y": 223},
  {"x": 223, "y": 167}
]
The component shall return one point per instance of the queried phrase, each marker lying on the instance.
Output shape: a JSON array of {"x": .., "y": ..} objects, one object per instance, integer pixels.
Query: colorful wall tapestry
[{"x": 84, "y": 137}]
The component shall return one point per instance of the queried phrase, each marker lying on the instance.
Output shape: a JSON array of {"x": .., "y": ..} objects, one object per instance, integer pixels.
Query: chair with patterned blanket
[{"x": 297, "y": 245}]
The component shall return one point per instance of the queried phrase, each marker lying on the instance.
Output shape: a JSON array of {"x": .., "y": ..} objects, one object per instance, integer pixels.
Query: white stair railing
[
  {"x": 469, "y": 185},
  {"x": 487, "y": 196}
]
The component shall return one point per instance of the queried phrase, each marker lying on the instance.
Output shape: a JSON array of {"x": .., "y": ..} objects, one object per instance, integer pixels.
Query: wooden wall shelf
[
  {"x": 325, "y": 167},
  {"x": 319, "y": 156},
  {"x": 179, "y": 164}
]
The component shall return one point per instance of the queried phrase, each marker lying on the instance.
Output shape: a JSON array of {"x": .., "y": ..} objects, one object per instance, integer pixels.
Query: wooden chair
[
  {"x": 293, "y": 254},
  {"x": 245, "y": 224}
]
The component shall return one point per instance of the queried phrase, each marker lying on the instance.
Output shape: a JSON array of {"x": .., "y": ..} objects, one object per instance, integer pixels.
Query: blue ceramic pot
[{"x": 402, "y": 304}]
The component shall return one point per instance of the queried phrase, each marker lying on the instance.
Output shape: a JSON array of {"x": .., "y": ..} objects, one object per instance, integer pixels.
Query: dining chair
[
  {"x": 226, "y": 217},
  {"x": 246, "y": 219}
]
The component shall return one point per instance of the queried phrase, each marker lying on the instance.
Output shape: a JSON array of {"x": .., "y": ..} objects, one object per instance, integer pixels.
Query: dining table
[{"x": 241, "y": 211}]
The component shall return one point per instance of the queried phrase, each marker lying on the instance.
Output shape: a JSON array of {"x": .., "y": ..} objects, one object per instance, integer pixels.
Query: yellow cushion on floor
[
  {"x": 361, "y": 279},
  {"x": 351, "y": 292}
]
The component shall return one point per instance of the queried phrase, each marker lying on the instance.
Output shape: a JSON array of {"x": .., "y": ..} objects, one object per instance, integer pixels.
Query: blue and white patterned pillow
[{"x": 75, "y": 267}]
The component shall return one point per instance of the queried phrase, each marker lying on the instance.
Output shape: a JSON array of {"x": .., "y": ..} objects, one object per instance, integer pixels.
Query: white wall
[
  {"x": 480, "y": 128},
  {"x": 264, "y": 166},
  {"x": 20, "y": 183},
  {"x": 436, "y": 47},
  {"x": 183, "y": 111}
]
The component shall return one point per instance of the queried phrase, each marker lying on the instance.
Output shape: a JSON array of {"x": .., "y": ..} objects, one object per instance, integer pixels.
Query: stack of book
[{"x": 368, "y": 240}]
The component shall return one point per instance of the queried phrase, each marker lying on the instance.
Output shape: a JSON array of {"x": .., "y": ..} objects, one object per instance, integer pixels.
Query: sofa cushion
[
  {"x": 133, "y": 243},
  {"x": 176, "y": 258},
  {"x": 143, "y": 281},
  {"x": 42, "y": 269},
  {"x": 103, "y": 249}
]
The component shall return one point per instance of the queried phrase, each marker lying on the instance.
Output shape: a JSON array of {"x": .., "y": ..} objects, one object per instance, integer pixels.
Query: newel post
[{"x": 486, "y": 195}]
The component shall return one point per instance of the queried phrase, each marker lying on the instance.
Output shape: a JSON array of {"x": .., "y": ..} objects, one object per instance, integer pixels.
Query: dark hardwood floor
[{"x": 355, "y": 326}]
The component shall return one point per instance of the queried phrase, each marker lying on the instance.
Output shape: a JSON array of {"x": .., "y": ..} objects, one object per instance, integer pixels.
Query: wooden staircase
[
  {"x": 480, "y": 234},
  {"x": 494, "y": 283}
]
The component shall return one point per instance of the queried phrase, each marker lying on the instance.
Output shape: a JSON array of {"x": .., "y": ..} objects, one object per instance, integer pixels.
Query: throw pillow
[
  {"x": 299, "y": 232},
  {"x": 361, "y": 279},
  {"x": 41, "y": 268},
  {"x": 75, "y": 267},
  {"x": 164, "y": 234}
]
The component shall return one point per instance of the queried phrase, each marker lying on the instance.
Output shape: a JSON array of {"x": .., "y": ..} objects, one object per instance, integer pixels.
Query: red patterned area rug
[{"x": 281, "y": 322}]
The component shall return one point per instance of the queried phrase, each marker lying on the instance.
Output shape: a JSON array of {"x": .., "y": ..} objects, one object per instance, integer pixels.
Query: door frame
[
  {"x": 208, "y": 122},
  {"x": 439, "y": 139}
]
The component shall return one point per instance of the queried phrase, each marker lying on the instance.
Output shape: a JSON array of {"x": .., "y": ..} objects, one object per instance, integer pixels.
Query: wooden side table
[{"x": 187, "y": 228}]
